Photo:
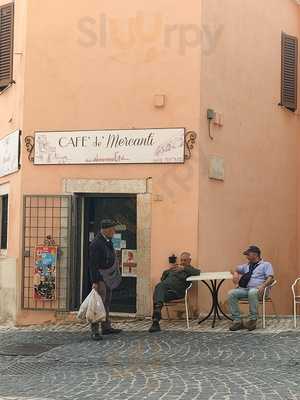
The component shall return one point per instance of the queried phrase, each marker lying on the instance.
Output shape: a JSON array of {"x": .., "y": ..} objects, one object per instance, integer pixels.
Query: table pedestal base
[{"x": 216, "y": 309}]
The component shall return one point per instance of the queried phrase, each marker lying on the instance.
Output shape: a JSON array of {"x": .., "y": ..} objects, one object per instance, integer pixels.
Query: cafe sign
[
  {"x": 9, "y": 153},
  {"x": 130, "y": 146}
]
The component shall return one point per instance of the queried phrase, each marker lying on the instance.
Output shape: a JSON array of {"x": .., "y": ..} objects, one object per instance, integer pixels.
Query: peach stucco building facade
[{"x": 86, "y": 66}]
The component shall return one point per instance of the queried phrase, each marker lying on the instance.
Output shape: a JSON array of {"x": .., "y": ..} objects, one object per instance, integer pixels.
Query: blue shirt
[{"x": 260, "y": 274}]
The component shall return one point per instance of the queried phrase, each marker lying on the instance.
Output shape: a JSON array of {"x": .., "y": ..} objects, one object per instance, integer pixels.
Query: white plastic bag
[
  {"x": 95, "y": 311},
  {"x": 83, "y": 308},
  {"x": 92, "y": 309}
]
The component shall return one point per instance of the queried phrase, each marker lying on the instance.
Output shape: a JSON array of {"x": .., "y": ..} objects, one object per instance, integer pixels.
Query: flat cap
[{"x": 108, "y": 223}]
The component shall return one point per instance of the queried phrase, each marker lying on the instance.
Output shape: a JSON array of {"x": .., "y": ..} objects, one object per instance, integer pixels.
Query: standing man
[
  {"x": 252, "y": 279},
  {"x": 172, "y": 286},
  {"x": 104, "y": 273}
]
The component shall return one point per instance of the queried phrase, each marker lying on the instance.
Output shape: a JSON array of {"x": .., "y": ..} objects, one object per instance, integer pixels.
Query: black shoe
[
  {"x": 251, "y": 325},
  {"x": 236, "y": 326},
  {"x": 155, "y": 327},
  {"x": 96, "y": 336},
  {"x": 111, "y": 331}
]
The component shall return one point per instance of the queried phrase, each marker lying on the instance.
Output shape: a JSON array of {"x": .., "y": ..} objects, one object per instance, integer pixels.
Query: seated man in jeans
[
  {"x": 172, "y": 286},
  {"x": 256, "y": 275}
]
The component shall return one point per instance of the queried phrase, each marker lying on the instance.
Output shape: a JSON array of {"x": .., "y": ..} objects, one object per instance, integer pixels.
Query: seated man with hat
[
  {"x": 252, "y": 279},
  {"x": 172, "y": 286}
]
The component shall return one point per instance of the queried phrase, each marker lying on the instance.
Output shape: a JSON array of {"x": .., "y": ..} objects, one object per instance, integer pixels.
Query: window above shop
[
  {"x": 289, "y": 72},
  {"x": 6, "y": 44}
]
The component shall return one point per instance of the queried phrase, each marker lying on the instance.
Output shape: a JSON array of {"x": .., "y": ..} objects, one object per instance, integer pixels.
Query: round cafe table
[{"x": 214, "y": 281}]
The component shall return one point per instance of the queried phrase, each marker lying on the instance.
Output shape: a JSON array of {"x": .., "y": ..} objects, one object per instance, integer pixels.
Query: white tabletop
[{"x": 210, "y": 276}]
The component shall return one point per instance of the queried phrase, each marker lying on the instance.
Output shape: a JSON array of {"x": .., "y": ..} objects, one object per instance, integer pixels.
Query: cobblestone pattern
[
  {"x": 273, "y": 325},
  {"x": 174, "y": 364}
]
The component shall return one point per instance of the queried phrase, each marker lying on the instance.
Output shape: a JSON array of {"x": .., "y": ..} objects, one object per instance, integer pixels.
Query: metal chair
[
  {"x": 296, "y": 300},
  {"x": 266, "y": 298},
  {"x": 184, "y": 301}
]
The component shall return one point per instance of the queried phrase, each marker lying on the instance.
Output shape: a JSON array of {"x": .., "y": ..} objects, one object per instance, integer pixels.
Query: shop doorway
[{"x": 122, "y": 208}]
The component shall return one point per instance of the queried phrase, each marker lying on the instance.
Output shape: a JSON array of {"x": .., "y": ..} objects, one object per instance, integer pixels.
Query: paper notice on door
[
  {"x": 129, "y": 263},
  {"x": 91, "y": 236},
  {"x": 117, "y": 241}
]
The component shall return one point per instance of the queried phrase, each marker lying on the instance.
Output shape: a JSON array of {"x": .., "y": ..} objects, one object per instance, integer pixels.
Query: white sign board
[
  {"x": 130, "y": 146},
  {"x": 9, "y": 154}
]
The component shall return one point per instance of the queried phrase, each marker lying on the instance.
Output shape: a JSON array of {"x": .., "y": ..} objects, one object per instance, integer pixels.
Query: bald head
[{"x": 185, "y": 259}]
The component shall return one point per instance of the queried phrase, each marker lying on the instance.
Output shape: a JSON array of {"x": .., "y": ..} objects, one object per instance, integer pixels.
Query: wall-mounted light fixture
[
  {"x": 216, "y": 118},
  {"x": 210, "y": 117}
]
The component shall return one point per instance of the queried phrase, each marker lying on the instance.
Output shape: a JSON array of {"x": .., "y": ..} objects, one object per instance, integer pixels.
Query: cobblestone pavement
[{"x": 60, "y": 362}]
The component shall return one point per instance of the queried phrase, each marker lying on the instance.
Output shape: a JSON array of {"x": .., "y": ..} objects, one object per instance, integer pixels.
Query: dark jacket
[
  {"x": 176, "y": 280},
  {"x": 101, "y": 256}
]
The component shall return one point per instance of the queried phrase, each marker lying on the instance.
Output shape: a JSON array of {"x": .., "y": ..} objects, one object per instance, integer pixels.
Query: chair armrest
[
  {"x": 293, "y": 286},
  {"x": 268, "y": 287},
  {"x": 188, "y": 288},
  {"x": 272, "y": 284}
]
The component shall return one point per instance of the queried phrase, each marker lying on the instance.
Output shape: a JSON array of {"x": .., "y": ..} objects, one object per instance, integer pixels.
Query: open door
[{"x": 122, "y": 208}]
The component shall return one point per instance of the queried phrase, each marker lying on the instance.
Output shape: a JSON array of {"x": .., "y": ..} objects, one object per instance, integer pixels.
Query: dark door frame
[{"x": 143, "y": 189}]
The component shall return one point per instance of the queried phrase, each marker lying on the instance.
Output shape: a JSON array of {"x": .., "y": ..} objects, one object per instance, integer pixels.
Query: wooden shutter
[
  {"x": 289, "y": 72},
  {"x": 6, "y": 44}
]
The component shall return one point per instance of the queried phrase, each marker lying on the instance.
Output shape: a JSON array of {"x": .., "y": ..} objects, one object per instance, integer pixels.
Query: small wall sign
[
  {"x": 216, "y": 168},
  {"x": 9, "y": 153}
]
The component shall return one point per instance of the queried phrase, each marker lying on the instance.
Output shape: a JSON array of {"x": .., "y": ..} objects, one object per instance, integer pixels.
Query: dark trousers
[
  {"x": 105, "y": 293},
  {"x": 164, "y": 293}
]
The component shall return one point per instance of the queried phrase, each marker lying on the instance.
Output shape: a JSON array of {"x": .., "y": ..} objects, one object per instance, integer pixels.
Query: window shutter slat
[
  {"x": 6, "y": 44},
  {"x": 289, "y": 72}
]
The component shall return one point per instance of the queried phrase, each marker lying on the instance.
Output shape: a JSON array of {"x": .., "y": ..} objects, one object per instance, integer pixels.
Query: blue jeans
[{"x": 243, "y": 294}]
